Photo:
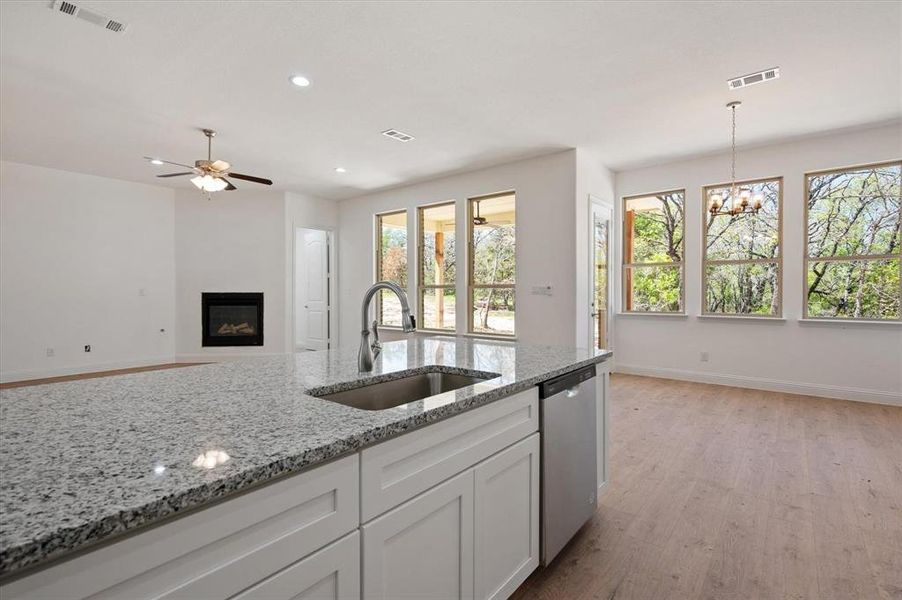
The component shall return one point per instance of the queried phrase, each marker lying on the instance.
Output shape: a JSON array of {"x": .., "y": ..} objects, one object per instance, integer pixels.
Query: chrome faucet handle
[{"x": 376, "y": 345}]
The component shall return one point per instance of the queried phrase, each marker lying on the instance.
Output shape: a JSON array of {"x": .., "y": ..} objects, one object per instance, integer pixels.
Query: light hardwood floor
[
  {"x": 721, "y": 492},
  {"x": 94, "y": 375}
]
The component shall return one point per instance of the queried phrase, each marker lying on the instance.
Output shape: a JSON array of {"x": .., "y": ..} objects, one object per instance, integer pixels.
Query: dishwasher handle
[{"x": 566, "y": 381}]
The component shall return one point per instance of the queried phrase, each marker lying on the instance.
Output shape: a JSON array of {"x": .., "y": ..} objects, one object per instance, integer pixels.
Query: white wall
[
  {"x": 595, "y": 180},
  {"x": 854, "y": 361},
  {"x": 234, "y": 242},
  {"x": 545, "y": 188},
  {"x": 76, "y": 252}
]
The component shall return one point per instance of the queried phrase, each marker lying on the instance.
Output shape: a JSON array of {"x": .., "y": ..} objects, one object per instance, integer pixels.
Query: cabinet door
[
  {"x": 423, "y": 548},
  {"x": 507, "y": 519},
  {"x": 333, "y": 573}
]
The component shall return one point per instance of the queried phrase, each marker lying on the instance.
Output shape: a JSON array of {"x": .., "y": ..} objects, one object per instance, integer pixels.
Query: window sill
[
  {"x": 847, "y": 322},
  {"x": 488, "y": 336},
  {"x": 653, "y": 314},
  {"x": 749, "y": 319}
]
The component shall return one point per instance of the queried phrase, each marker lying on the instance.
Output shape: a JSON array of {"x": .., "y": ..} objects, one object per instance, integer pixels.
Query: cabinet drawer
[
  {"x": 333, "y": 573},
  {"x": 399, "y": 469},
  {"x": 220, "y": 550}
]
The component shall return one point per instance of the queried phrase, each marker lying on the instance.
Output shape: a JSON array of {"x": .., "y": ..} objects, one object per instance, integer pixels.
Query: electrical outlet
[
  {"x": 87, "y": 347},
  {"x": 704, "y": 357},
  {"x": 50, "y": 352}
]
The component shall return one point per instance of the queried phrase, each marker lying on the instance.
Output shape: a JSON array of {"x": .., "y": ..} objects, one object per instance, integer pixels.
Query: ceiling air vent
[
  {"x": 91, "y": 16},
  {"x": 397, "y": 135},
  {"x": 753, "y": 78}
]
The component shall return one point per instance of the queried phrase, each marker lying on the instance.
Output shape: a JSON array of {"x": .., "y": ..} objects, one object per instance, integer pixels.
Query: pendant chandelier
[{"x": 740, "y": 198}]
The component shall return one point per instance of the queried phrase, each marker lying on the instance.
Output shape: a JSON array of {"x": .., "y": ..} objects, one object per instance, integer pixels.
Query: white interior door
[
  {"x": 312, "y": 272},
  {"x": 599, "y": 261}
]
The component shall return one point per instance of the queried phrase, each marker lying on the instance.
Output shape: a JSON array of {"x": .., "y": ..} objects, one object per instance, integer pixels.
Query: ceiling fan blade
[
  {"x": 220, "y": 165},
  {"x": 169, "y": 162},
  {"x": 250, "y": 178},
  {"x": 176, "y": 174},
  {"x": 229, "y": 187}
]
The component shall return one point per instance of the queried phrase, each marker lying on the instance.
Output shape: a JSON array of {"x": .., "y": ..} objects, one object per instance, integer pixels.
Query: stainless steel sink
[{"x": 388, "y": 394}]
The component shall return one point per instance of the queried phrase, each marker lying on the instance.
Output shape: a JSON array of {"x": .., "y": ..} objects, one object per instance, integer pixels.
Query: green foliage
[
  {"x": 656, "y": 289},
  {"x": 394, "y": 255},
  {"x": 855, "y": 214},
  {"x": 855, "y": 289},
  {"x": 742, "y": 289},
  {"x": 658, "y": 230}
]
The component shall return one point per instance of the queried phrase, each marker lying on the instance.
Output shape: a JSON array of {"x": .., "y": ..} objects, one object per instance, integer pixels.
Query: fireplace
[{"x": 232, "y": 319}]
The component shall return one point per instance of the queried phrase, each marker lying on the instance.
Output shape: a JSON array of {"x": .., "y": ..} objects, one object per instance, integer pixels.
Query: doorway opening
[
  {"x": 599, "y": 261},
  {"x": 312, "y": 289}
]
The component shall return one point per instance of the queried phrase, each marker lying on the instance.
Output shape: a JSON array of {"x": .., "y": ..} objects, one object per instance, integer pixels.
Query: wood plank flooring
[
  {"x": 721, "y": 492},
  {"x": 94, "y": 375}
]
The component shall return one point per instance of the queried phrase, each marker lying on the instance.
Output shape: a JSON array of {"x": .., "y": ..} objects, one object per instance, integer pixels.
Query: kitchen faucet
[{"x": 368, "y": 351}]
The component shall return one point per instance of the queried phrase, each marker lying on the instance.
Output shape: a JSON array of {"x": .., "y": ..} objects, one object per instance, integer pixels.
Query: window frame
[
  {"x": 806, "y": 258},
  {"x": 377, "y": 238},
  {"x": 625, "y": 267},
  {"x": 471, "y": 270},
  {"x": 421, "y": 286},
  {"x": 761, "y": 261}
]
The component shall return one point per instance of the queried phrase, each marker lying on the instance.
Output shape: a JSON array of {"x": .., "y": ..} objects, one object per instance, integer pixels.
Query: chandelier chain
[{"x": 733, "y": 154}]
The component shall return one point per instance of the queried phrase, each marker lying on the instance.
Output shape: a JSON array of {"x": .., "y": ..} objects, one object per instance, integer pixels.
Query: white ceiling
[{"x": 476, "y": 83}]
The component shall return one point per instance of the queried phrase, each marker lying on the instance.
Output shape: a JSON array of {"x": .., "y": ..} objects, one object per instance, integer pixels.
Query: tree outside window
[
  {"x": 742, "y": 264},
  {"x": 391, "y": 264},
  {"x": 492, "y": 264},
  {"x": 437, "y": 262},
  {"x": 854, "y": 256},
  {"x": 653, "y": 249}
]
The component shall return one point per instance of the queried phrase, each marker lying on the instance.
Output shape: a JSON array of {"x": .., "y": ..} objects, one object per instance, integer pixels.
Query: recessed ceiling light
[
  {"x": 340, "y": 170},
  {"x": 300, "y": 81},
  {"x": 156, "y": 161}
]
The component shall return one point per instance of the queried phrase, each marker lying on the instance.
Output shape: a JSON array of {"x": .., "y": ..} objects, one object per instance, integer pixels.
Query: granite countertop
[{"x": 83, "y": 461}]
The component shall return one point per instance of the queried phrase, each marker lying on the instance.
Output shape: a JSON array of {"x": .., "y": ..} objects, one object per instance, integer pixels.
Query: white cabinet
[
  {"x": 400, "y": 468},
  {"x": 507, "y": 519},
  {"x": 476, "y": 535},
  {"x": 333, "y": 573},
  {"x": 215, "y": 552},
  {"x": 423, "y": 548}
]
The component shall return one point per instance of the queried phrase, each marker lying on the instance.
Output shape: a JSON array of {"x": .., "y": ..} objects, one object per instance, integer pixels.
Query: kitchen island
[{"x": 83, "y": 463}]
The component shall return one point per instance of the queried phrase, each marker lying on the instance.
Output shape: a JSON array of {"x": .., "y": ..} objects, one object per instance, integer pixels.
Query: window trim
[
  {"x": 624, "y": 265},
  {"x": 377, "y": 246},
  {"x": 471, "y": 286},
  {"x": 806, "y": 258},
  {"x": 778, "y": 260},
  {"x": 422, "y": 287}
]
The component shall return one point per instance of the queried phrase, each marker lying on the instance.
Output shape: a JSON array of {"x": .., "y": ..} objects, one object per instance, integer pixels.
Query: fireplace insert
[{"x": 232, "y": 319}]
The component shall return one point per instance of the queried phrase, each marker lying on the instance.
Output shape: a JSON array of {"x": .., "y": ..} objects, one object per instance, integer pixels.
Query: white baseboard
[
  {"x": 23, "y": 375},
  {"x": 771, "y": 385},
  {"x": 223, "y": 357}
]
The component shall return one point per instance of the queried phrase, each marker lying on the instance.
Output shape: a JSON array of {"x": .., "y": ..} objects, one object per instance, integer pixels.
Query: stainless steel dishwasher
[{"x": 569, "y": 486}]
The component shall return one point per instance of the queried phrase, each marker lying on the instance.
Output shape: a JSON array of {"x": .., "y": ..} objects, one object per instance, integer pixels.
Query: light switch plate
[{"x": 542, "y": 290}]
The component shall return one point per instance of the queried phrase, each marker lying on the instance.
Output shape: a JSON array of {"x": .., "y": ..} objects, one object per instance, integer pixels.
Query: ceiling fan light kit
[{"x": 210, "y": 175}]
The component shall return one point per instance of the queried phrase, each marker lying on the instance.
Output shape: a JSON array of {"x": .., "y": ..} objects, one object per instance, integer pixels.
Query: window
[
  {"x": 391, "y": 263},
  {"x": 742, "y": 263},
  {"x": 437, "y": 261},
  {"x": 491, "y": 227},
  {"x": 853, "y": 256},
  {"x": 653, "y": 248}
]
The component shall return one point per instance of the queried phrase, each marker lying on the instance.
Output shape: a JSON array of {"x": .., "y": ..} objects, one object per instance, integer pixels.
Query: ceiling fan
[{"x": 210, "y": 175}]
